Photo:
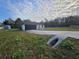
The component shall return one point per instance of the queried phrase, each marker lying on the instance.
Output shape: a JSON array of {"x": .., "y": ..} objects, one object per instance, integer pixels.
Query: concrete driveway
[{"x": 73, "y": 34}]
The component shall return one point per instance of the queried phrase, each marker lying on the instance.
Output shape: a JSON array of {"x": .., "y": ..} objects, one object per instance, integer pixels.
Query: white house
[
  {"x": 7, "y": 27},
  {"x": 33, "y": 26}
]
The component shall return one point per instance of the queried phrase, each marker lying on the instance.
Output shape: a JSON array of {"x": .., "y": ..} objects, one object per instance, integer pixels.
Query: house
[
  {"x": 40, "y": 26},
  {"x": 32, "y": 26},
  {"x": 7, "y": 27}
]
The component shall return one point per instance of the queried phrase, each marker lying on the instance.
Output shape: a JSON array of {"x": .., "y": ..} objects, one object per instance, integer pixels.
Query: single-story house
[
  {"x": 32, "y": 26},
  {"x": 7, "y": 27}
]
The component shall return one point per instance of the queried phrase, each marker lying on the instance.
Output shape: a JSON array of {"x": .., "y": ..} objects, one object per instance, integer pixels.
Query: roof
[{"x": 31, "y": 23}]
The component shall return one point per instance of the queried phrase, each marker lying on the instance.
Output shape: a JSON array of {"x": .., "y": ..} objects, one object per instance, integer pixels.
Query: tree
[
  {"x": 63, "y": 22},
  {"x": 18, "y": 23},
  {"x": 9, "y": 22}
]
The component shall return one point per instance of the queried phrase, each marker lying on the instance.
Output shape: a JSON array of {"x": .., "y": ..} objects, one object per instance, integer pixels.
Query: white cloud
[{"x": 37, "y": 10}]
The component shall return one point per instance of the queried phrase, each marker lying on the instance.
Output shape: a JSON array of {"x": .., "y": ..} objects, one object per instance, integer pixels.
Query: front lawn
[{"x": 22, "y": 45}]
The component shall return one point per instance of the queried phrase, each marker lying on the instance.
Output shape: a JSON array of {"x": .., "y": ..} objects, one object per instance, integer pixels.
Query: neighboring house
[
  {"x": 1, "y": 27},
  {"x": 33, "y": 26},
  {"x": 7, "y": 27}
]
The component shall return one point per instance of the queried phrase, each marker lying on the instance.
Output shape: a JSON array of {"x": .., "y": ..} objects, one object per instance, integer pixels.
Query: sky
[{"x": 38, "y": 10}]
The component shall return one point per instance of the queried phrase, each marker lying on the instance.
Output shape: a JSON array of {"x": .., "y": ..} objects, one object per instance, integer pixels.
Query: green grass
[
  {"x": 70, "y": 43},
  {"x": 62, "y": 29},
  {"x": 21, "y": 45}
]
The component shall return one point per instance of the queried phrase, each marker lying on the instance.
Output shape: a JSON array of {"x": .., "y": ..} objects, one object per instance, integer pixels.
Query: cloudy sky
[{"x": 38, "y": 10}]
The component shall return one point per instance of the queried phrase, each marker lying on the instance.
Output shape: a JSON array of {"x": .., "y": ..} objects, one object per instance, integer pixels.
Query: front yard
[{"x": 22, "y": 45}]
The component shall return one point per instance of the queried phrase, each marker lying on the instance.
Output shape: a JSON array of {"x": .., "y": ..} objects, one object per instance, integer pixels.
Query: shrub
[{"x": 68, "y": 44}]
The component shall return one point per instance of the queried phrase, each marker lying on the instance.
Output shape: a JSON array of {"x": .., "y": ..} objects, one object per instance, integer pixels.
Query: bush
[{"x": 68, "y": 44}]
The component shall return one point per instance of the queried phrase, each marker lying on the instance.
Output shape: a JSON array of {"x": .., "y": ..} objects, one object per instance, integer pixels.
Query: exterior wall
[
  {"x": 23, "y": 27},
  {"x": 32, "y": 27},
  {"x": 40, "y": 27},
  {"x": 43, "y": 26}
]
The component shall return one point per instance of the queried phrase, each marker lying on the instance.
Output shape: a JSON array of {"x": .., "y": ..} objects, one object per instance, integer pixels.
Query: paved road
[{"x": 73, "y": 34}]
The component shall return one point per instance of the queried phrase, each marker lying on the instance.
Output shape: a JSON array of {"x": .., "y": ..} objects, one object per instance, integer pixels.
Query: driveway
[{"x": 73, "y": 34}]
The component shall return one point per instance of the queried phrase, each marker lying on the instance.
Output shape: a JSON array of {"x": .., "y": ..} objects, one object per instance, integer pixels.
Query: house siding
[{"x": 30, "y": 27}]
